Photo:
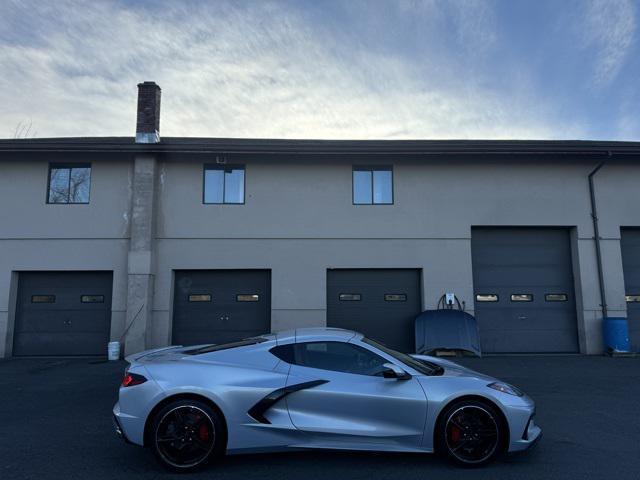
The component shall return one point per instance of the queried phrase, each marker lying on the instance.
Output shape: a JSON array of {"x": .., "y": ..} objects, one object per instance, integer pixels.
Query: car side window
[{"x": 338, "y": 357}]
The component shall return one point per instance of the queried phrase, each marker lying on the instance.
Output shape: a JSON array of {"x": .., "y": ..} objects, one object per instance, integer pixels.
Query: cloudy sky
[{"x": 324, "y": 68}]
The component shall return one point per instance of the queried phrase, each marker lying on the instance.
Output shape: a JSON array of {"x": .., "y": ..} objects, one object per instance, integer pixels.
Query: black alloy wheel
[
  {"x": 471, "y": 434},
  {"x": 186, "y": 435}
]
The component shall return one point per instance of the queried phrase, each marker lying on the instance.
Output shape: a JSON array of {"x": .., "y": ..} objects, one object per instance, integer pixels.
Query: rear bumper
[
  {"x": 118, "y": 429},
  {"x": 127, "y": 427}
]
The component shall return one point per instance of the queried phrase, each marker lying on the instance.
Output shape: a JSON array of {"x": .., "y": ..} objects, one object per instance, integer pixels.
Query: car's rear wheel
[
  {"x": 186, "y": 435},
  {"x": 470, "y": 433}
]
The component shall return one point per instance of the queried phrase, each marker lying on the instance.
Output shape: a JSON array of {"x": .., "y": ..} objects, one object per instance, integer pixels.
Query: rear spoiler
[{"x": 137, "y": 356}]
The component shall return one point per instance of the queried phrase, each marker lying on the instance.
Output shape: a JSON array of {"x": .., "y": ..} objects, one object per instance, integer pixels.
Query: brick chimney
[{"x": 148, "y": 121}]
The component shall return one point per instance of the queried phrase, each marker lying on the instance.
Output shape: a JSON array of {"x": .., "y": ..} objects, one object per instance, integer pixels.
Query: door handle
[{"x": 67, "y": 322}]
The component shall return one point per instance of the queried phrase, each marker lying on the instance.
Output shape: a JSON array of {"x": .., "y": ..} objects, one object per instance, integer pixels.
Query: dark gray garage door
[
  {"x": 631, "y": 266},
  {"x": 63, "y": 313},
  {"x": 219, "y": 306},
  {"x": 380, "y": 303},
  {"x": 524, "y": 294}
]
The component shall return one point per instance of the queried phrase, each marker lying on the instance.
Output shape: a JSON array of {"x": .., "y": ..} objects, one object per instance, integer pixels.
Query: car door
[{"x": 355, "y": 404}]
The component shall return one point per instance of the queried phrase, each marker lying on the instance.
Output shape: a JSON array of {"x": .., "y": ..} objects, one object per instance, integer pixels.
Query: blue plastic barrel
[{"x": 616, "y": 334}]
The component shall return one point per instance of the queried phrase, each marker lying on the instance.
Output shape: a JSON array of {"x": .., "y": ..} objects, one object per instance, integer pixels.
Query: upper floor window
[
  {"x": 69, "y": 183},
  {"x": 224, "y": 184},
  {"x": 372, "y": 185}
]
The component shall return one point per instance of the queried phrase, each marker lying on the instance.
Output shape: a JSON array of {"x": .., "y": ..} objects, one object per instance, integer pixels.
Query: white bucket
[{"x": 114, "y": 351}]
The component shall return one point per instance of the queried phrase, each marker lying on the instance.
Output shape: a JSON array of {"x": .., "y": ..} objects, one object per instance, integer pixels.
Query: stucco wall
[
  {"x": 37, "y": 236},
  {"x": 299, "y": 220}
]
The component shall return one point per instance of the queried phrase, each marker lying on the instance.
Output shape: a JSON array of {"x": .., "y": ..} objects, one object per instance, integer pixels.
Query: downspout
[{"x": 596, "y": 237}]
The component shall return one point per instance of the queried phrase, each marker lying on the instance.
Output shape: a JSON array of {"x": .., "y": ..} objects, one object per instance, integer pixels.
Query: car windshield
[
  {"x": 422, "y": 366},
  {"x": 225, "y": 346}
]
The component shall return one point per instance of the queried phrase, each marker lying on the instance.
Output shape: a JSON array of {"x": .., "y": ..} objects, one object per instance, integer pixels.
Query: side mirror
[{"x": 391, "y": 370}]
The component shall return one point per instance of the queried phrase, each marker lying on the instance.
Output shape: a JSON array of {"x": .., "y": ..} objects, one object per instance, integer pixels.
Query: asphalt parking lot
[{"x": 56, "y": 423}]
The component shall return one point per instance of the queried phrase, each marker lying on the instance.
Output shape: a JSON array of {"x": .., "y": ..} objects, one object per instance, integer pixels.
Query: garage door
[
  {"x": 524, "y": 295},
  {"x": 63, "y": 313},
  {"x": 630, "y": 244},
  {"x": 219, "y": 306},
  {"x": 380, "y": 303}
]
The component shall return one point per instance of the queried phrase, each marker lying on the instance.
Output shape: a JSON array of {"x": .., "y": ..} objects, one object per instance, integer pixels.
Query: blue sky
[{"x": 547, "y": 69}]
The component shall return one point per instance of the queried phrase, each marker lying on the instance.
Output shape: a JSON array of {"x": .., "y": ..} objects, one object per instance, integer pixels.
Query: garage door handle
[
  {"x": 522, "y": 317},
  {"x": 67, "y": 322}
]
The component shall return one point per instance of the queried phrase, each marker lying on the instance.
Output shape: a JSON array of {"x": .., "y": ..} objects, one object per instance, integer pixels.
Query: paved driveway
[{"x": 55, "y": 423}]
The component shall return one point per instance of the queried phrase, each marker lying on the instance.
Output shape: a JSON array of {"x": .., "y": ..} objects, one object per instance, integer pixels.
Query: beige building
[{"x": 152, "y": 240}]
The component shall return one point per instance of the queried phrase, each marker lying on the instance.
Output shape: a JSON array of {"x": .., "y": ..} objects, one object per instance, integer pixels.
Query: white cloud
[
  {"x": 259, "y": 71},
  {"x": 610, "y": 27}
]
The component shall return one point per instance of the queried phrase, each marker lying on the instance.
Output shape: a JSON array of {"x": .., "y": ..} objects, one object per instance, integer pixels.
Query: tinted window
[
  {"x": 223, "y": 184},
  {"x": 421, "y": 366},
  {"x": 284, "y": 353},
  {"x": 69, "y": 183},
  {"x": 338, "y": 357}
]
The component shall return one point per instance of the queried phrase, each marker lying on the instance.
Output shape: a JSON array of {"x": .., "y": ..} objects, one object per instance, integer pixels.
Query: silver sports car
[{"x": 315, "y": 388}]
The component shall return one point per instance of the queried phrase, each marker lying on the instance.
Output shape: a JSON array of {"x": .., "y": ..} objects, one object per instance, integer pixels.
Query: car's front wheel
[
  {"x": 187, "y": 434},
  {"x": 470, "y": 433}
]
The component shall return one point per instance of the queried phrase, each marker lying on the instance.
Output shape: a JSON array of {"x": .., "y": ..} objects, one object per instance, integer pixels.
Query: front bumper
[{"x": 531, "y": 436}]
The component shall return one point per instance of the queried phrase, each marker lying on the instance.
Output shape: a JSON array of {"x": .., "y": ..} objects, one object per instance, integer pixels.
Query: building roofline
[{"x": 323, "y": 147}]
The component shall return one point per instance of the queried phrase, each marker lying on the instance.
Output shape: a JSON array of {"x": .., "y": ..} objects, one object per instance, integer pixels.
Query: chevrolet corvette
[{"x": 315, "y": 388}]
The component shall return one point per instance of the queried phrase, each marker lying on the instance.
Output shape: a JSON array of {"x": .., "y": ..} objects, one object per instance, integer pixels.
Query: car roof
[{"x": 315, "y": 334}]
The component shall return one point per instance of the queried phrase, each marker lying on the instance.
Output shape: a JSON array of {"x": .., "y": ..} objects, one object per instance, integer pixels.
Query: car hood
[{"x": 452, "y": 369}]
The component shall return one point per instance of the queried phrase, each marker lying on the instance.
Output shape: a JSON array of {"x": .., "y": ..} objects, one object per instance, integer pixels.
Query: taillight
[{"x": 131, "y": 379}]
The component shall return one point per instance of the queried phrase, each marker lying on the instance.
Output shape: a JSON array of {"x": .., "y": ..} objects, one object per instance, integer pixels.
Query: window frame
[
  {"x": 91, "y": 295},
  {"x": 529, "y": 300},
  {"x": 372, "y": 168},
  {"x": 239, "y": 295},
  {"x": 356, "y": 297},
  {"x": 497, "y": 297},
  {"x": 404, "y": 299},
  {"x": 70, "y": 166},
  {"x": 223, "y": 167},
  {"x": 202, "y": 298},
  {"x": 50, "y": 298},
  {"x": 549, "y": 295}
]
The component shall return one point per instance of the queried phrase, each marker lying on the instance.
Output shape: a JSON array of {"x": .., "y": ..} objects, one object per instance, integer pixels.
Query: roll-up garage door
[
  {"x": 63, "y": 313},
  {"x": 630, "y": 244},
  {"x": 380, "y": 303},
  {"x": 524, "y": 290},
  {"x": 219, "y": 306}
]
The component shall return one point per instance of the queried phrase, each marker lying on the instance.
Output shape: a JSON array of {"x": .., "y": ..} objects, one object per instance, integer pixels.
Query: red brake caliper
[
  {"x": 203, "y": 432},
  {"x": 455, "y": 433}
]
